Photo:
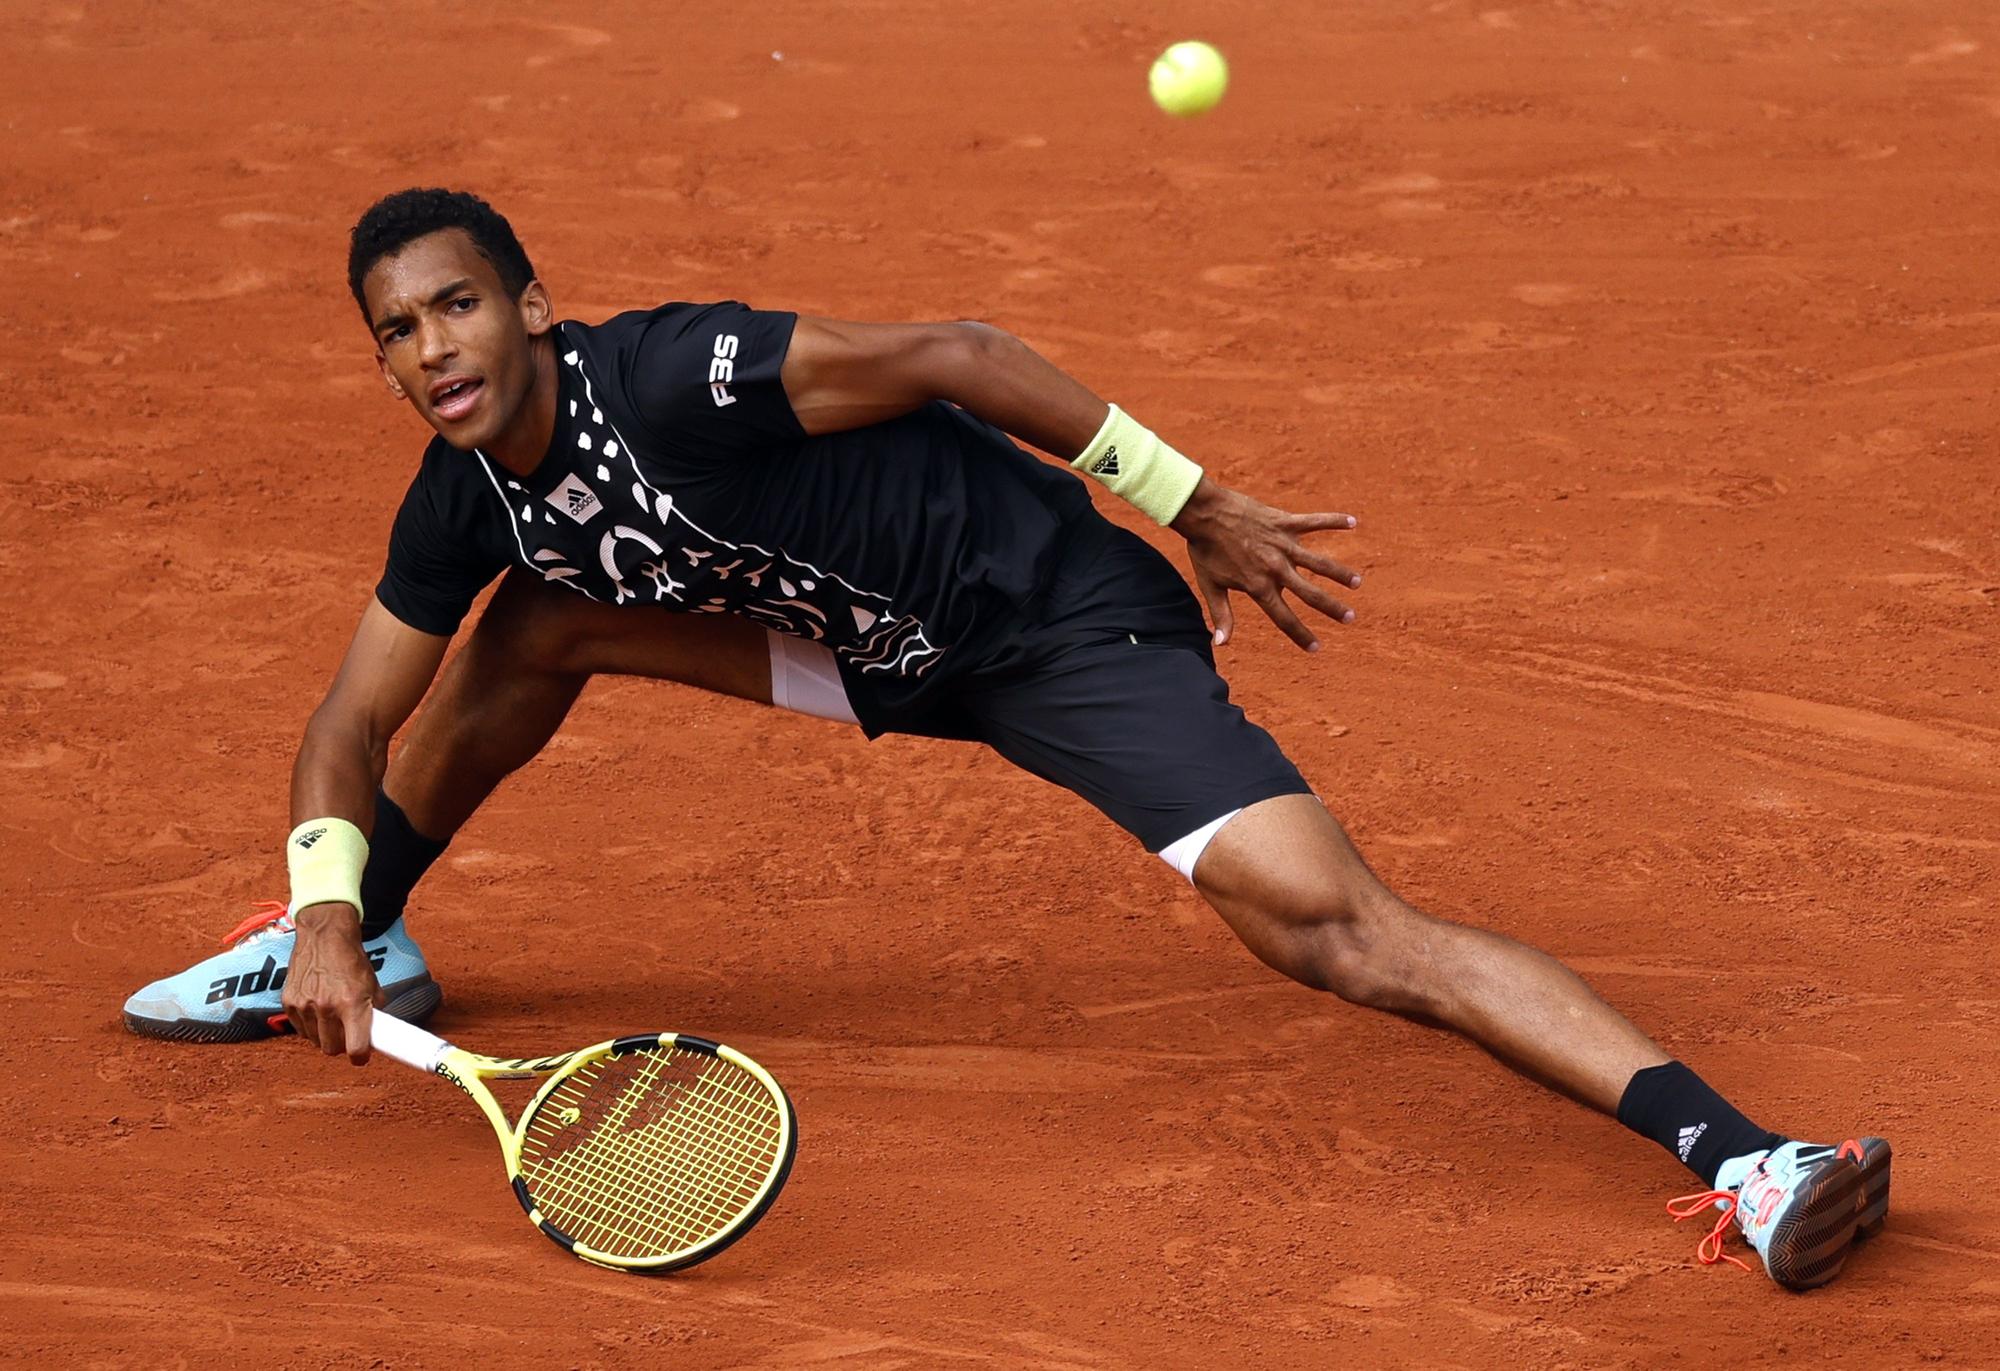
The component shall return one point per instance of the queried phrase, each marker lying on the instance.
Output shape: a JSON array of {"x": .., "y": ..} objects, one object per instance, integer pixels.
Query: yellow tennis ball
[{"x": 1189, "y": 79}]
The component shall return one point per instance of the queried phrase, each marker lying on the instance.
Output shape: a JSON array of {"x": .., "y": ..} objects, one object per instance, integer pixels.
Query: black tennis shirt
[{"x": 678, "y": 476}]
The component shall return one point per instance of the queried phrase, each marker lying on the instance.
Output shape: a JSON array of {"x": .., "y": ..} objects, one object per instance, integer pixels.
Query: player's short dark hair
[{"x": 395, "y": 221}]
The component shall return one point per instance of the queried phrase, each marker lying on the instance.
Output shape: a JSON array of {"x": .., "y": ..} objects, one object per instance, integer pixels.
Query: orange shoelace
[
  {"x": 1709, "y": 1250},
  {"x": 268, "y": 913}
]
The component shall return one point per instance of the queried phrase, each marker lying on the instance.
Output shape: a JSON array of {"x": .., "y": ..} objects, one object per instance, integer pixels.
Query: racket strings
[
  {"x": 693, "y": 1154},
  {"x": 603, "y": 1201},
  {"x": 602, "y": 1205},
  {"x": 685, "y": 1172},
  {"x": 651, "y": 1153},
  {"x": 683, "y": 1168}
]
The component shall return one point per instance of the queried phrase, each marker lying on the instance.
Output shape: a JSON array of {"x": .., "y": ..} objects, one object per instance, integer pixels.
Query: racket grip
[{"x": 407, "y": 1043}]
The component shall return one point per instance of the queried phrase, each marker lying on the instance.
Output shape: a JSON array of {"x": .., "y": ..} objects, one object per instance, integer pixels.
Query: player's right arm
[{"x": 330, "y": 987}]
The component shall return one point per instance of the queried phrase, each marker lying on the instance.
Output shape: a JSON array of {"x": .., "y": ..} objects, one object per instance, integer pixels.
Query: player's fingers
[
  {"x": 1317, "y": 597},
  {"x": 1326, "y": 566},
  {"x": 354, "y": 1028},
  {"x": 1315, "y": 523},
  {"x": 1281, "y": 614},
  {"x": 1218, "y": 607},
  {"x": 331, "y": 1041},
  {"x": 303, "y": 1022}
]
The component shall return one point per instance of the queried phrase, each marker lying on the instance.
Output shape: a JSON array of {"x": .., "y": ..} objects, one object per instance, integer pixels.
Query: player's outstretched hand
[
  {"x": 1237, "y": 543},
  {"x": 331, "y": 987}
]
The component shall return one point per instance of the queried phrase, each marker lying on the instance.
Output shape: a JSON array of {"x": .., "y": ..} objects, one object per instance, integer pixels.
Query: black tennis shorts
[{"x": 1106, "y": 685}]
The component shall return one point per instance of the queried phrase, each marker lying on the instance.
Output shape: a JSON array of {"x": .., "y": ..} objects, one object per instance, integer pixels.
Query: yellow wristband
[
  {"x": 326, "y": 857},
  {"x": 1129, "y": 459}
]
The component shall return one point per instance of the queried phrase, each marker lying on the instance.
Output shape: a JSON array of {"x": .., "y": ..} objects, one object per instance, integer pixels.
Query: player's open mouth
[{"x": 453, "y": 398}]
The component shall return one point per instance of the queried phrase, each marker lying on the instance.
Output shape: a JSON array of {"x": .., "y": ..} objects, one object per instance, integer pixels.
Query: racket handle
[{"x": 407, "y": 1043}]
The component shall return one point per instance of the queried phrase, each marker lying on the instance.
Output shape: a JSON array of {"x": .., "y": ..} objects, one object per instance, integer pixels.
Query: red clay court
[{"x": 1652, "y": 343}]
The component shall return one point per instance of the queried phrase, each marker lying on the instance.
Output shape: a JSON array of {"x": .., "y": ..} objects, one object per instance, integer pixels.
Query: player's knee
[{"x": 1349, "y": 942}]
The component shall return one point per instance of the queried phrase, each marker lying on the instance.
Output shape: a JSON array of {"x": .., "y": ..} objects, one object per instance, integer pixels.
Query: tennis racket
[{"x": 644, "y": 1154}]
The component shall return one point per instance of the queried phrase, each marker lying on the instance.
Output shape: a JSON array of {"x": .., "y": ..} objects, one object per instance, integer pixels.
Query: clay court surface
[{"x": 1653, "y": 344}]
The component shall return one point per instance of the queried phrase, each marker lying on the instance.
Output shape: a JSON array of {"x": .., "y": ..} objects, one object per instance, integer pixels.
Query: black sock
[
  {"x": 398, "y": 857},
  {"x": 1677, "y": 1109}
]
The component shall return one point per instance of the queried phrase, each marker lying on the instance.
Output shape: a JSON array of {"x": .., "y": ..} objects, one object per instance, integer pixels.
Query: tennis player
[{"x": 830, "y": 517}]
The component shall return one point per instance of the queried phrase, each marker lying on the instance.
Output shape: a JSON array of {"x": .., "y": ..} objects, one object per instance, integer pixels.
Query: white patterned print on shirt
[{"x": 651, "y": 552}]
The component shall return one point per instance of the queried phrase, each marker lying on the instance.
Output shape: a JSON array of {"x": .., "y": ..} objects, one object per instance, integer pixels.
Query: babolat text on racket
[{"x": 644, "y": 1154}]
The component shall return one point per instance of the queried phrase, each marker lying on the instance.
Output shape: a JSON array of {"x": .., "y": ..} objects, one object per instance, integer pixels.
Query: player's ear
[
  {"x": 389, "y": 377},
  {"x": 538, "y": 314}
]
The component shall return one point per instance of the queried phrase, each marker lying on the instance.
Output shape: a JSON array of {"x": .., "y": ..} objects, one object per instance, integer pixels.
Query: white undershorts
[
  {"x": 805, "y": 678},
  {"x": 1182, "y": 853}
]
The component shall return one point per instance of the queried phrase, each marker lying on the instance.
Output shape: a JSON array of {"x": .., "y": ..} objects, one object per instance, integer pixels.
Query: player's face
[{"x": 450, "y": 341}]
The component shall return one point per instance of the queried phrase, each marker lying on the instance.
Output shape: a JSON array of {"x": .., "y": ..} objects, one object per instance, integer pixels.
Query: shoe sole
[
  {"x": 1875, "y": 1159},
  {"x": 414, "y": 1000},
  {"x": 1810, "y": 1244}
]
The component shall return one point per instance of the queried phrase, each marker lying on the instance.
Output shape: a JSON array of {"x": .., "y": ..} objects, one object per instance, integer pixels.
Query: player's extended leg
[
  {"x": 1284, "y": 875},
  {"x": 1111, "y": 691}
]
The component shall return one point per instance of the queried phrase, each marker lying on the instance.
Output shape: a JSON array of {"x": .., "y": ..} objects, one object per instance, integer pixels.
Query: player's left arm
[{"x": 840, "y": 375}]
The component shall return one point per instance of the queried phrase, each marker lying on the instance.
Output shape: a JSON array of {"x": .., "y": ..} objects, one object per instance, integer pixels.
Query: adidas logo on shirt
[
  {"x": 1689, "y": 1137},
  {"x": 575, "y": 499}
]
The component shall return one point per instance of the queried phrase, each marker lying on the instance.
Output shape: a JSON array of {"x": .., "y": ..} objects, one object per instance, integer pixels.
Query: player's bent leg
[
  {"x": 496, "y": 704},
  {"x": 506, "y": 692},
  {"x": 1285, "y": 876}
]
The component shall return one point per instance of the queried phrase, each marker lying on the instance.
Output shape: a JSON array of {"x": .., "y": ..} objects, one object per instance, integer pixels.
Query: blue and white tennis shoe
[
  {"x": 234, "y": 996},
  {"x": 1799, "y": 1206}
]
